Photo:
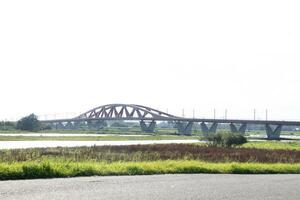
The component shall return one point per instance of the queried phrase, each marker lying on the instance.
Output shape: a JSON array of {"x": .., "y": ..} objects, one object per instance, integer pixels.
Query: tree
[
  {"x": 29, "y": 123},
  {"x": 226, "y": 139},
  {"x": 5, "y": 125},
  {"x": 119, "y": 124}
]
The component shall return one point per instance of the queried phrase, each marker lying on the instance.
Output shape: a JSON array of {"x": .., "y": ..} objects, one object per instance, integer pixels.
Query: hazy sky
[{"x": 63, "y": 56}]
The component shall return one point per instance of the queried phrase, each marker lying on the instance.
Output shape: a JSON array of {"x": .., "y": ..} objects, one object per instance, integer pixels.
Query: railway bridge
[{"x": 148, "y": 117}]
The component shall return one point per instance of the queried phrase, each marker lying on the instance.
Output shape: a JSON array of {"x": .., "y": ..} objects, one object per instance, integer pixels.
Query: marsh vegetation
[{"x": 253, "y": 158}]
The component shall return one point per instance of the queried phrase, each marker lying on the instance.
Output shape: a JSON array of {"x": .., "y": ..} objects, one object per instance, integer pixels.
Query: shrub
[
  {"x": 119, "y": 124},
  {"x": 225, "y": 139},
  {"x": 29, "y": 123},
  {"x": 4, "y": 125},
  {"x": 45, "y": 127}
]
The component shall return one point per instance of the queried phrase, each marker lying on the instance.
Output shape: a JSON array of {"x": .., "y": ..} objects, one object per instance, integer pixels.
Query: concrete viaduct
[{"x": 148, "y": 117}]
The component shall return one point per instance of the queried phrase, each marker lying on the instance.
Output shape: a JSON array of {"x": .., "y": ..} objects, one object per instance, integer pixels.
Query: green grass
[
  {"x": 147, "y": 159},
  {"x": 263, "y": 132},
  {"x": 96, "y": 138},
  {"x": 273, "y": 145},
  {"x": 13, "y": 131},
  {"x": 30, "y": 170},
  {"x": 111, "y": 130}
]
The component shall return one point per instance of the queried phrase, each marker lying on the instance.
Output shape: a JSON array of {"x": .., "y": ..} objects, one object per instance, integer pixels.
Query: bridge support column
[
  {"x": 53, "y": 125},
  {"x": 150, "y": 128},
  {"x": 184, "y": 128},
  {"x": 212, "y": 129},
  {"x": 69, "y": 126},
  {"x": 60, "y": 126},
  {"x": 273, "y": 134},
  {"x": 241, "y": 129},
  {"x": 77, "y": 125}
]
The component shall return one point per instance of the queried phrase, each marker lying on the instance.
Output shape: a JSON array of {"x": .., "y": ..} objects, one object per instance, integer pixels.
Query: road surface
[{"x": 197, "y": 186}]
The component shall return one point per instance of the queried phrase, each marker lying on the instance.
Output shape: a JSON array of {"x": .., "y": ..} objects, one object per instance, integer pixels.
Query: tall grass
[
  {"x": 30, "y": 170},
  {"x": 143, "y": 159},
  {"x": 152, "y": 153},
  {"x": 273, "y": 145}
]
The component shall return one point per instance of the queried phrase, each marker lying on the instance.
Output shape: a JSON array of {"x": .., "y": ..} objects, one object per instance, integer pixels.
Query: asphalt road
[{"x": 198, "y": 186}]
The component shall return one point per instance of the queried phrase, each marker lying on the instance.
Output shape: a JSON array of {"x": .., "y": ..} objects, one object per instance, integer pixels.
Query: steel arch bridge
[
  {"x": 125, "y": 112},
  {"x": 147, "y": 117}
]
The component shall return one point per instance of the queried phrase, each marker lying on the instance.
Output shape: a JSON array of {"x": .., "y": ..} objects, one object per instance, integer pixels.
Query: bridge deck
[{"x": 238, "y": 121}]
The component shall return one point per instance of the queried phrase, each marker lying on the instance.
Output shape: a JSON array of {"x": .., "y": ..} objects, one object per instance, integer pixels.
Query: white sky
[{"x": 64, "y": 56}]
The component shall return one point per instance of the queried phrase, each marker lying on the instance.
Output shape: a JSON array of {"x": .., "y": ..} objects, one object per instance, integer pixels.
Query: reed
[{"x": 139, "y": 153}]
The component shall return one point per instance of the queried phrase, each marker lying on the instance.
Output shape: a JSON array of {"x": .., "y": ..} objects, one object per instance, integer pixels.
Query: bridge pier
[
  {"x": 69, "y": 126},
  {"x": 212, "y": 129},
  {"x": 273, "y": 134},
  {"x": 77, "y": 125},
  {"x": 235, "y": 129},
  {"x": 184, "y": 128},
  {"x": 53, "y": 125},
  {"x": 60, "y": 126},
  {"x": 150, "y": 128}
]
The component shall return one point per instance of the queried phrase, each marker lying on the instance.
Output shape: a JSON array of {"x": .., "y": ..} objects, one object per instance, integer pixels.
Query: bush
[
  {"x": 29, "y": 123},
  {"x": 4, "y": 125},
  {"x": 119, "y": 124},
  {"x": 226, "y": 139},
  {"x": 45, "y": 127}
]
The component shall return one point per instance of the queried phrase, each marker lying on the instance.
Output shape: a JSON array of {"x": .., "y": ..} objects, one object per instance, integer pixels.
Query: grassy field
[
  {"x": 251, "y": 158},
  {"x": 273, "y": 145},
  {"x": 263, "y": 132},
  {"x": 96, "y": 138},
  {"x": 113, "y": 130},
  {"x": 144, "y": 159},
  {"x": 29, "y": 170},
  {"x": 151, "y": 153}
]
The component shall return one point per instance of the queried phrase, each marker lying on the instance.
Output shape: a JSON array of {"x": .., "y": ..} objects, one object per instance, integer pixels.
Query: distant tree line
[
  {"x": 31, "y": 123},
  {"x": 4, "y": 125}
]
